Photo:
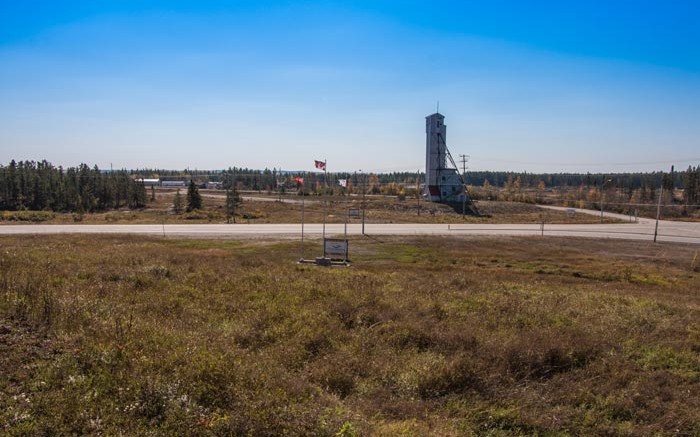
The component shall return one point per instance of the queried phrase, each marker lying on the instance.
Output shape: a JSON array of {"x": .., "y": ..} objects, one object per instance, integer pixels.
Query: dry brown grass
[
  {"x": 261, "y": 208},
  {"x": 459, "y": 336}
]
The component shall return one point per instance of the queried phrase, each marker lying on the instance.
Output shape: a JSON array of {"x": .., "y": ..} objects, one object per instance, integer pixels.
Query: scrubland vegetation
[
  {"x": 84, "y": 192},
  {"x": 39, "y": 186},
  {"x": 126, "y": 335},
  {"x": 266, "y": 209}
]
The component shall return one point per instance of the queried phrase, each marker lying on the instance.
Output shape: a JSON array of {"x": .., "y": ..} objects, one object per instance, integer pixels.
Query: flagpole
[
  {"x": 347, "y": 203},
  {"x": 302, "y": 222},
  {"x": 325, "y": 183}
]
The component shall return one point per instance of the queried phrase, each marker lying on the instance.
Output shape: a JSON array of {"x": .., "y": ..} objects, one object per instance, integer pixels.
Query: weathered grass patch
[{"x": 421, "y": 336}]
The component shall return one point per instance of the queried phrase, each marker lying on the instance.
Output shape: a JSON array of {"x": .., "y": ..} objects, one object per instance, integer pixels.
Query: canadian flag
[
  {"x": 320, "y": 165},
  {"x": 343, "y": 182}
]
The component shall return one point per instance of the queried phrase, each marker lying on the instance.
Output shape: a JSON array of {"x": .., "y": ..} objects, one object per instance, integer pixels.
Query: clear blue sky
[{"x": 538, "y": 86}]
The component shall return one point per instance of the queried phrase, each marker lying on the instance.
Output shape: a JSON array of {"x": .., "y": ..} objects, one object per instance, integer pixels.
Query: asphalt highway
[{"x": 668, "y": 231}]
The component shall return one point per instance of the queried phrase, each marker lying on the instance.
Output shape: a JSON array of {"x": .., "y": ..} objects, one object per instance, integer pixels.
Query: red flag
[
  {"x": 320, "y": 165},
  {"x": 298, "y": 180}
]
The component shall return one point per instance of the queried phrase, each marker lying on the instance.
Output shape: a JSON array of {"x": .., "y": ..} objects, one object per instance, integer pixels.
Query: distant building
[
  {"x": 149, "y": 182},
  {"x": 171, "y": 184},
  {"x": 443, "y": 182},
  {"x": 214, "y": 185}
]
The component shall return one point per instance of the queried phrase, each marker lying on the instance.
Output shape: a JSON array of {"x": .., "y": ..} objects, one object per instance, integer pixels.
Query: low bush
[{"x": 27, "y": 216}]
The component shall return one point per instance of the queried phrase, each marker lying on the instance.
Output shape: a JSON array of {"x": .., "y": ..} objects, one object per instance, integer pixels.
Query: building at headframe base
[{"x": 443, "y": 182}]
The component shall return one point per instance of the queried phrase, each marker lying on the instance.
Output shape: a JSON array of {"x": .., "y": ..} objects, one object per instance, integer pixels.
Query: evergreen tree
[
  {"x": 194, "y": 199},
  {"x": 233, "y": 200},
  {"x": 41, "y": 186},
  {"x": 691, "y": 186},
  {"x": 137, "y": 195},
  {"x": 177, "y": 202}
]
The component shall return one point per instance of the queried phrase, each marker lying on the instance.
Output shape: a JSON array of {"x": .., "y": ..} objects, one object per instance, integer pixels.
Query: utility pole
[
  {"x": 364, "y": 203},
  {"x": 658, "y": 205},
  {"x": 227, "y": 186},
  {"x": 347, "y": 204},
  {"x": 418, "y": 193},
  {"x": 228, "y": 202},
  {"x": 233, "y": 204},
  {"x": 325, "y": 183},
  {"x": 658, "y": 212},
  {"x": 464, "y": 173},
  {"x": 279, "y": 186},
  {"x": 464, "y": 159},
  {"x": 301, "y": 255},
  {"x": 602, "y": 197}
]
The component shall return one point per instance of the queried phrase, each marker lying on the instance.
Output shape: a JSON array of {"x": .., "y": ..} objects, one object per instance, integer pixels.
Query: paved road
[
  {"x": 644, "y": 230},
  {"x": 623, "y": 217}
]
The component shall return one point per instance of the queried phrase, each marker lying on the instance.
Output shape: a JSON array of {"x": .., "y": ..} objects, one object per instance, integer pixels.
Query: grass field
[
  {"x": 261, "y": 208},
  {"x": 460, "y": 336}
]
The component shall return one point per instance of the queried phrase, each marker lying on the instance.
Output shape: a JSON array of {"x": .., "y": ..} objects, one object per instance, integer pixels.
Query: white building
[
  {"x": 148, "y": 182},
  {"x": 442, "y": 180}
]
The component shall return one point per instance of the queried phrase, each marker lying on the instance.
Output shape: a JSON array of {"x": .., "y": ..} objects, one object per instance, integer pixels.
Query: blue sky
[{"x": 543, "y": 86}]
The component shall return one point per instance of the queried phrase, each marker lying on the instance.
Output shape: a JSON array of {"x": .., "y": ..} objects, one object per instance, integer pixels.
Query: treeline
[
  {"x": 41, "y": 186},
  {"x": 252, "y": 179},
  {"x": 404, "y": 183},
  {"x": 628, "y": 180},
  {"x": 616, "y": 195},
  {"x": 30, "y": 185},
  {"x": 248, "y": 179},
  {"x": 503, "y": 178},
  {"x": 691, "y": 184},
  {"x": 637, "y": 187}
]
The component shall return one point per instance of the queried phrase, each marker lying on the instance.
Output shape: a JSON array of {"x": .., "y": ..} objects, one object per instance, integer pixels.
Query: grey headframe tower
[{"x": 443, "y": 183}]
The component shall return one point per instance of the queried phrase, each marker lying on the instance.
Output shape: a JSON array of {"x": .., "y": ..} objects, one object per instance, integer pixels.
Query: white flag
[{"x": 343, "y": 182}]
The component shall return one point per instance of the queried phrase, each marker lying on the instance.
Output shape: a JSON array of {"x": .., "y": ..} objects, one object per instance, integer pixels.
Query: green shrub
[{"x": 27, "y": 216}]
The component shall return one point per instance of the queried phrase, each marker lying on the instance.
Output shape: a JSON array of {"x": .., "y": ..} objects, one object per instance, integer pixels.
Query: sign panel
[
  {"x": 354, "y": 213},
  {"x": 335, "y": 248}
]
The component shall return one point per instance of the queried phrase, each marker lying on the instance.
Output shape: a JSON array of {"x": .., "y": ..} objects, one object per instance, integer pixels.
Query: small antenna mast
[{"x": 438, "y": 107}]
